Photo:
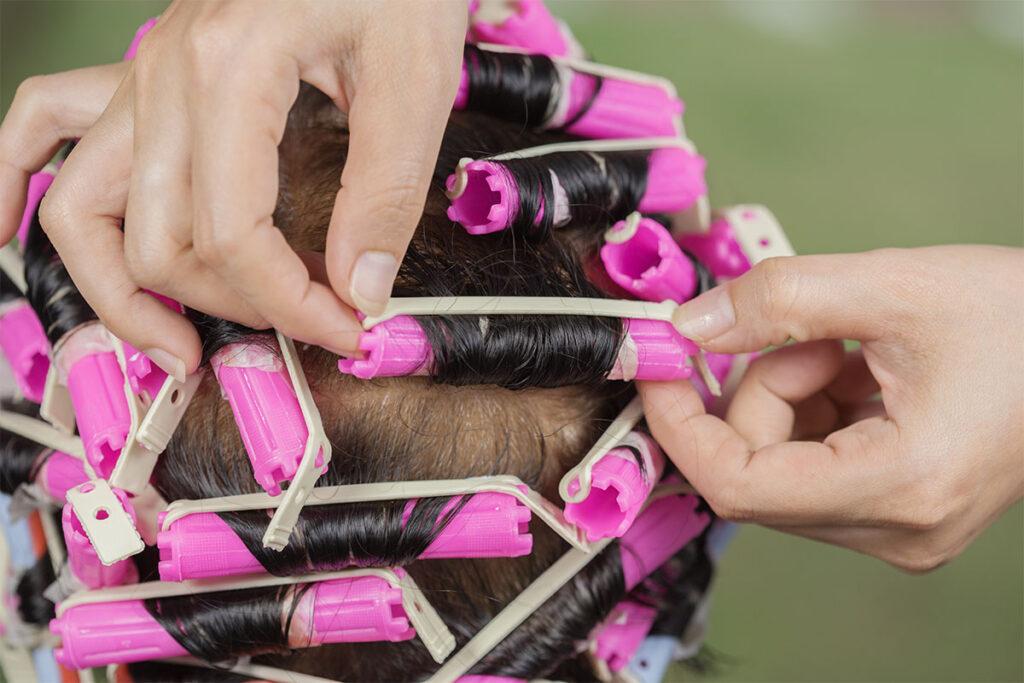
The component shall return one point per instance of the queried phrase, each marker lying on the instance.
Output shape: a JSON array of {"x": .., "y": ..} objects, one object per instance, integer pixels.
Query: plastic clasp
[
  {"x": 104, "y": 520},
  {"x": 82, "y": 557}
]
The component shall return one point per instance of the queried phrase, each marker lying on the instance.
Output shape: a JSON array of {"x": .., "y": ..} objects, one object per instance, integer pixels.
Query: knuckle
[
  {"x": 728, "y": 503},
  {"x": 210, "y": 245},
  {"x": 920, "y": 560},
  {"x": 56, "y": 211},
  {"x": 32, "y": 92},
  {"x": 208, "y": 43},
  {"x": 148, "y": 267},
  {"x": 777, "y": 289}
]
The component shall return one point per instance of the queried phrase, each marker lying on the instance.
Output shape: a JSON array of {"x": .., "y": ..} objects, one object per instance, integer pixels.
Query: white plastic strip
[
  {"x": 42, "y": 433},
  {"x": 758, "y": 232},
  {"x": 618, "y": 430},
  {"x": 54, "y": 538},
  {"x": 522, "y": 305},
  {"x": 430, "y": 628},
  {"x": 151, "y": 427},
  {"x": 359, "y": 493},
  {"x": 56, "y": 407},
  {"x": 281, "y": 525},
  {"x": 109, "y": 528},
  {"x": 13, "y": 266}
]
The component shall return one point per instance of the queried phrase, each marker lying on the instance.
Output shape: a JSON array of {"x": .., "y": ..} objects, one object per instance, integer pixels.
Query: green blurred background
[{"x": 861, "y": 125}]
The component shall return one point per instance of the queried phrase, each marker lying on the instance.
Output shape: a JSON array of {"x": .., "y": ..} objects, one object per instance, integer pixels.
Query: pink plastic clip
[
  {"x": 96, "y": 385},
  {"x": 717, "y": 249},
  {"x": 266, "y": 410},
  {"x": 530, "y": 27},
  {"x": 490, "y": 200},
  {"x": 60, "y": 473},
  {"x": 145, "y": 376},
  {"x": 641, "y": 256},
  {"x": 394, "y": 348},
  {"x": 618, "y": 489},
  {"x": 202, "y": 545},
  {"x": 82, "y": 558},
  {"x": 358, "y": 609},
  {"x": 38, "y": 184},
  {"x": 26, "y": 348},
  {"x": 619, "y": 636},
  {"x": 365, "y": 609},
  {"x": 661, "y": 531},
  {"x": 398, "y": 347},
  {"x": 620, "y": 108}
]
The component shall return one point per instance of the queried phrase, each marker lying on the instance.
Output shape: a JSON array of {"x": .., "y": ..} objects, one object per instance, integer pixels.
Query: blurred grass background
[{"x": 861, "y": 124}]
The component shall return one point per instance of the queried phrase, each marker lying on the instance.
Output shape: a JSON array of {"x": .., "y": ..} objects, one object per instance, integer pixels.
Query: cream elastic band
[
  {"x": 522, "y": 305},
  {"x": 13, "y": 266},
  {"x": 42, "y": 433},
  {"x": 359, "y": 493},
  {"x": 281, "y": 525}
]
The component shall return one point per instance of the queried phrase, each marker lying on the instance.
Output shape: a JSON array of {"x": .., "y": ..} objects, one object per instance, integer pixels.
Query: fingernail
[
  {"x": 706, "y": 317},
  {"x": 372, "y": 279},
  {"x": 173, "y": 366}
]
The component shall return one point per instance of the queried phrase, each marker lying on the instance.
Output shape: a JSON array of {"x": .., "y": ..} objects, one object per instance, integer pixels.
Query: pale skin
[{"x": 905, "y": 451}]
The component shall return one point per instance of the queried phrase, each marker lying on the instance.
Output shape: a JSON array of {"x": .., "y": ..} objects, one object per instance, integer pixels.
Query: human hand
[
  {"x": 911, "y": 478},
  {"x": 186, "y": 153}
]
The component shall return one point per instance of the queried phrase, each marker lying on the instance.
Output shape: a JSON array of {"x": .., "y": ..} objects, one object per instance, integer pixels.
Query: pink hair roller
[
  {"x": 145, "y": 376},
  {"x": 96, "y": 385},
  {"x": 490, "y": 200},
  {"x": 360, "y": 609},
  {"x": 619, "y": 636},
  {"x": 661, "y": 531},
  {"x": 26, "y": 348},
  {"x": 266, "y": 411},
  {"x": 398, "y": 347},
  {"x": 717, "y": 249},
  {"x": 38, "y": 184},
  {"x": 394, "y": 348},
  {"x": 139, "y": 35},
  {"x": 643, "y": 258},
  {"x": 531, "y": 27},
  {"x": 202, "y": 545},
  {"x": 82, "y": 558},
  {"x": 618, "y": 490},
  {"x": 619, "y": 109},
  {"x": 59, "y": 474}
]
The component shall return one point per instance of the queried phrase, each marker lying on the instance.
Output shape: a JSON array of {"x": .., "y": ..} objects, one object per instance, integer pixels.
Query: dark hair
[
  {"x": 167, "y": 672},
  {"x": 517, "y": 88},
  {"x": 33, "y": 608},
  {"x": 20, "y": 458}
]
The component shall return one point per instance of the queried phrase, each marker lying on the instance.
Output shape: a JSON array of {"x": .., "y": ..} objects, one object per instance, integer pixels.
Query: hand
[
  {"x": 911, "y": 478},
  {"x": 186, "y": 153}
]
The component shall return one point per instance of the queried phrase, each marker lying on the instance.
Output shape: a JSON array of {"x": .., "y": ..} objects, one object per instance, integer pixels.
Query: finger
[
  {"x": 854, "y": 384},
  {"x": 835, "y": 482},
  {"x": 234, "y": 170},
  {"x": 82, "y": 215},
  {"x": 842, "y": 296},
  {"x": 814, "y": 418},
  {"x": 762, "y": 409},
  {"x": 398, "y": 115},
  {"x": 158, "y": 216},
  {"x": 47, "y": 110},
  {"x": 910, "y": 550}
]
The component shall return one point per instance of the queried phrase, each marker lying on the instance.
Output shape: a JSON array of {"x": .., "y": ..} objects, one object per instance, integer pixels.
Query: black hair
[
  {"x": 33, "y": 607},
  {"x": 511, "y": 351},
  {"x": 167, "y": 672},
  {"x": 600, "y": 188},
  {"x": 519, "y": 88},
  {"x": 20, "y": 458},
  {"x": 217, "y": 627}
]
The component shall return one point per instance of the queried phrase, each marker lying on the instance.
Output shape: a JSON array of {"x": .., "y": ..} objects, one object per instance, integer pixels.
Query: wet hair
[
  {"x": 517, "y": 395},
  {"x": 518, "y": 88}
]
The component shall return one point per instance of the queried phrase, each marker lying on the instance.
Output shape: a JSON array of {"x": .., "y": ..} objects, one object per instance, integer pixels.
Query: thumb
[
  {"x": 397, "y": 118},
  {"x": 804, "y": 298}
]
